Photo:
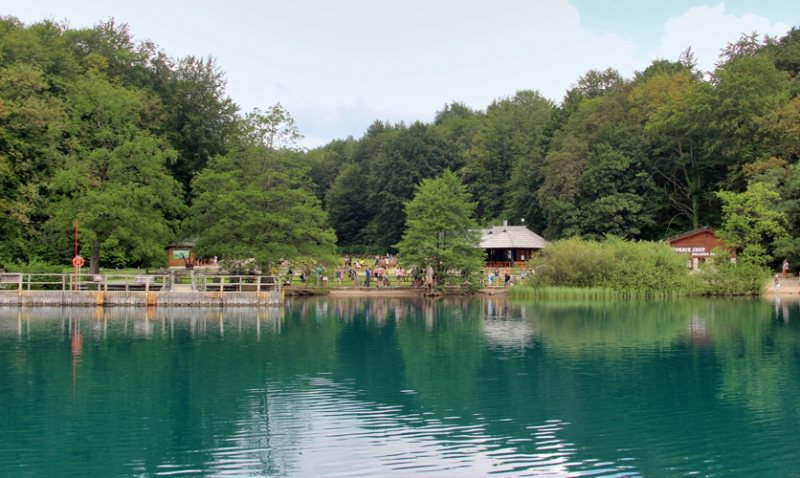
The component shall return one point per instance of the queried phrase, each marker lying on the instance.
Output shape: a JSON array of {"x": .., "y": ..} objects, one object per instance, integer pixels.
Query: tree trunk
[{"x": 94, "y": 259}]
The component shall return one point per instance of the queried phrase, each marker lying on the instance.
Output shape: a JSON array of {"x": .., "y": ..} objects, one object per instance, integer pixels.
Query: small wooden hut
[{"x": 506, "y": 244}]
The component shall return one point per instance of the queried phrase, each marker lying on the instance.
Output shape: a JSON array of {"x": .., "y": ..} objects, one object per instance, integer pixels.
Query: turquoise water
[{"x": 394, "y": 387}]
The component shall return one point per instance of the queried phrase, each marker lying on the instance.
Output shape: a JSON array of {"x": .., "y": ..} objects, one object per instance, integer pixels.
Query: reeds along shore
[{"x": 530, "y": 292}]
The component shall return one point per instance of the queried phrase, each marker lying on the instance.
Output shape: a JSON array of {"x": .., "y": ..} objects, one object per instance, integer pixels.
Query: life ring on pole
[{"x": 78, "y": 262}]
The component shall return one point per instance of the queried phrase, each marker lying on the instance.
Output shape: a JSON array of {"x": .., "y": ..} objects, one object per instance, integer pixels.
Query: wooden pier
[{"x": 157, "y": 290}]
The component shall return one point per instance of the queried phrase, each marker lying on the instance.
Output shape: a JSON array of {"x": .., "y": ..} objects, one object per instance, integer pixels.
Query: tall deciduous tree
[
  {"x": 750, "y": 220},
  {"x": 115, "y": 179},
  {"x": 440, "y": 230},
  {"x": 200, "y": 117},
  {"x": 510, "y": 140},
  {"x": 256, "y": 203}
]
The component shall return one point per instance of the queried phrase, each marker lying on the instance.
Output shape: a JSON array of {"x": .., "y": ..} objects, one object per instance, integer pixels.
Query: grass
[{"x": 530, "y": 292}]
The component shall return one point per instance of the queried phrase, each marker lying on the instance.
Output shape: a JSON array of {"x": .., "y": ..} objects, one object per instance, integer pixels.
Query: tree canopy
[
  {"x": 253, "y": 203},
  {"x": 441, "y": 232},
  {"x": 134, "y": 143}
]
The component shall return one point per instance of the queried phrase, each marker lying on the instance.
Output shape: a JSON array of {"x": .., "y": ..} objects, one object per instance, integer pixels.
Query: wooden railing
[
  {"x": 201, "y": 282},
  {"x": 99, "y": 282},
  {"x": 235, "y": 283}
]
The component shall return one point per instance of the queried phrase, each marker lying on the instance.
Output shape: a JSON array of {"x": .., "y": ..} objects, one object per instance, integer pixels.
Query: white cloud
[{"x": 707, "y": 30}]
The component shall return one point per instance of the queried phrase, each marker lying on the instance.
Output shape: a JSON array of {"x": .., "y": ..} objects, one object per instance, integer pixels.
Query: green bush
[
  {"x": 619, "y": 268},
  {"x": 34, "y": 267},
  {"x": 726, "y": 278},
  {"x": 38, "y": 267},
  {"x": 637, "y": 268}
]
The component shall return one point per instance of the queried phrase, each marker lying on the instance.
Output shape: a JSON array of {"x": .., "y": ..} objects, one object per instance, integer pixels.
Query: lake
[{"x": 394, "y": 387}]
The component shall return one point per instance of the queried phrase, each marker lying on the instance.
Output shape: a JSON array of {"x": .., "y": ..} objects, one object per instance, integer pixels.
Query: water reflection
[
  {"x": 390, "y": 386},
  {"x": 351, "y": 437}
]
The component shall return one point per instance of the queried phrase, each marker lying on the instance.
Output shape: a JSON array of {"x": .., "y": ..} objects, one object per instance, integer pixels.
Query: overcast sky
[{"x": 339, "y": 65}]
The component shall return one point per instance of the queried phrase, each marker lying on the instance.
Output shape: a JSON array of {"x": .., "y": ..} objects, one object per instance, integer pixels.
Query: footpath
[{"x": 790, "y": 287}]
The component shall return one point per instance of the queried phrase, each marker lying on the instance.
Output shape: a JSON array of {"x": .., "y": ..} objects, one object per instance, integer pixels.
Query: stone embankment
[{"x": 153, "y": 299}]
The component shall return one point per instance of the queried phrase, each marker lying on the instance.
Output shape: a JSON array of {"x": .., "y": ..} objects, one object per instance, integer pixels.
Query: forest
[{"x": 144, "y": 149}]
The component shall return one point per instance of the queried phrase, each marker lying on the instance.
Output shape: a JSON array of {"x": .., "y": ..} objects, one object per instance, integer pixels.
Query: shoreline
[{"x": 790, "y": 289}]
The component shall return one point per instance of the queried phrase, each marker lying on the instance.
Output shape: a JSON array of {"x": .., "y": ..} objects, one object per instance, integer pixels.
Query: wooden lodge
[
  {"x": 506, "y": 245},
  {"x": 699, "y": 244}
]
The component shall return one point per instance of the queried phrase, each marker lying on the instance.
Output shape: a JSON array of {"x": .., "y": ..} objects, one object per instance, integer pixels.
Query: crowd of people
[{"x": 384, "y": 271}]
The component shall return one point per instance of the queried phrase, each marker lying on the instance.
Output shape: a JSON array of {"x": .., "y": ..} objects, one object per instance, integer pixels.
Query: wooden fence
[
  {"x": 23, "y": 289},
  {"x": 204, "y": 282},
  {"x": 23, "y": 281}
]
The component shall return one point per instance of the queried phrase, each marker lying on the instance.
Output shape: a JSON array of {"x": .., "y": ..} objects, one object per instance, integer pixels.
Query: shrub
[
  {"x": 727, "y": 278},
  {"x": 38, "y": 267},
  {"x": 638, "y": 268}
]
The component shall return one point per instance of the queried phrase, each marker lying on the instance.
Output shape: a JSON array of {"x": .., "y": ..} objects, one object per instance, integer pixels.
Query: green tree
[
  {"x": 256, "y": 203},
  {"x": 440, "y": 231},
  {"x": 406, "y": 157},
  {"x": 751, "y": 219},
  {"x": 200, "y": 118},
  {"x": 348, "y": 199},
  {"x": 115, "y": 179},
  {"x": 786, "y": 181},
  {"x": 347, "y": 207},
  {"x": 508, "y": 145}
]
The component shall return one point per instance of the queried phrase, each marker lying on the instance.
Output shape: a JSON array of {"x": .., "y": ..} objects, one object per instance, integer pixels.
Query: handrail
[
  {"x": 149, "y": 282},
  {"x": 238, "y": 283},
  {"x": 29, "y": 281}
]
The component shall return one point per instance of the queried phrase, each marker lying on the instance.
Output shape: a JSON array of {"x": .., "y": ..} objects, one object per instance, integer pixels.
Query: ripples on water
[
  {"x": 326, "y": 430},
  {"x": 398, "y": 387}
]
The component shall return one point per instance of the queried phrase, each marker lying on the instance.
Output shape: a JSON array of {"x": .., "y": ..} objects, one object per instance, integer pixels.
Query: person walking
[{"x": 785, "y": 268}]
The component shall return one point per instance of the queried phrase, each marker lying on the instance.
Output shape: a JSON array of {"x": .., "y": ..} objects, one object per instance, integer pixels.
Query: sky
[{"x": 337, "y": 66}]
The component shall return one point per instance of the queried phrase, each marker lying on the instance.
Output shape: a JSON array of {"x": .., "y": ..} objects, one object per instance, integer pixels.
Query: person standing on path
[{"x": 785, "y": 268}]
